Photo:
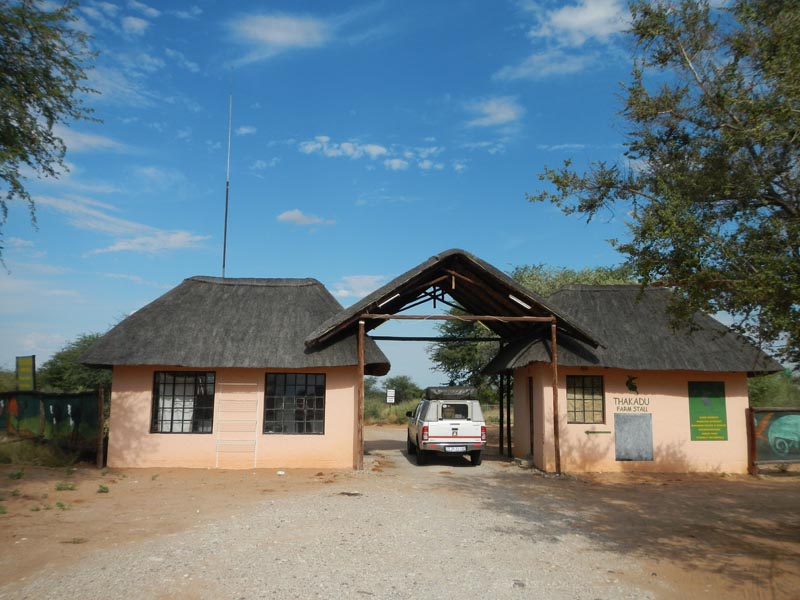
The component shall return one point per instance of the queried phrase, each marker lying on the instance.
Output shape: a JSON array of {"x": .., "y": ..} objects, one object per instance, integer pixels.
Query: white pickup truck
[{"x": 449, "y": 420}]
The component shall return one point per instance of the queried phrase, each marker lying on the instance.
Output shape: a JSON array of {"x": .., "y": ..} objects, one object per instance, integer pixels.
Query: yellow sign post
[{"x": 26, "y": 373}]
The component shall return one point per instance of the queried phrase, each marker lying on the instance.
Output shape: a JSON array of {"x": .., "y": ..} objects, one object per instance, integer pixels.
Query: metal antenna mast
[{"x": 227, "y": 186}]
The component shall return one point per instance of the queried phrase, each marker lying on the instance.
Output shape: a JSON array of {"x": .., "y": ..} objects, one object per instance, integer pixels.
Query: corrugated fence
[{"x": 70, "y": 419}]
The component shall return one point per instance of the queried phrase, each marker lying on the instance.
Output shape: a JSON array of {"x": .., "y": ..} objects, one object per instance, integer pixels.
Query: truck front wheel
[{"x": 412, "y": 449}]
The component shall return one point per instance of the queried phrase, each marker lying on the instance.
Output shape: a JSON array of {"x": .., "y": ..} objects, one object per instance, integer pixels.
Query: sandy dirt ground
[{"x": 683, "y": 536}]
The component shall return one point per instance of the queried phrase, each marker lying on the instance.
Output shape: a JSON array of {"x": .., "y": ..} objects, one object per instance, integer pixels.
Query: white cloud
[
  {"x": 298, "y": 217},
  {"x": 68, "y": 178},
  {"x": 154, "y": 242},
  {"x": 146, "y": 10},
  {"x": 574, "y": 24},
  {"x": 494, "y": 111},
  {"x": 134, "y": 25},
  {"x": 395, "y": 159},
  {"x": 134, "y": 279},
  {"x": 492, "y": 147},
  {"x": 184, "y": 134},
  {"x": 459, "y": 166},
  {"x": 158, "y": 177},
  {"x": 77, "y": 141},
  {"x": 192, "y": 13},
  {"x": 270, "y": 35},
  {"x": 544, "y": 64},
  {"x": 181, "y": 60},
  {"x": 427, "y": 165},
  {"x": 90, "y": 215},
  {"x": 429, "y": 151},
  {"x": 568, "y": 39},
  {"x": 261, "y": 165},
  {"x": 117, "y": 88},
  {"x": 141, "y": 62},
  {"x": 42, "y": 344},
  {"x": 101, "y": 14},
  {"x": 245, "y": 130},
  {"x": 322, "y": 144},
  {"x": 374, "y": 150},
  {"x": 40, "y": 268},
  {"x": 396, "y": 164},
  {"x": 560, "y": 147},
  {"x": 357, "y": 286},
  {"x": 16, "y": 242}
]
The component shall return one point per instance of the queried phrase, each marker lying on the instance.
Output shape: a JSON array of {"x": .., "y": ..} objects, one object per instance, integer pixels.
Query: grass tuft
[
  {"x": 41, "y": 453},
  {"x": 62, "y": 486},
  {"x": 102, "y": 489}
]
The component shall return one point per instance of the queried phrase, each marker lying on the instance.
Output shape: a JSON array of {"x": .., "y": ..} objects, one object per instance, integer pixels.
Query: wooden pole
[
  {"x": 554, "y": 364},
  {"x": 530, "y": 408},
  {"x": 751, "y": 442},
  {"x": 101, "y": 425},
  {"x": 508, "y": 414},
  {"x": 359, "y": 450},
  {"x": 500, "y": 403},
  {"x": 41, "y": 417}
]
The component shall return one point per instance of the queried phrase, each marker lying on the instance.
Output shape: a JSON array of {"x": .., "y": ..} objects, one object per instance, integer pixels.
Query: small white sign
[{"x": 389, "y": 396}]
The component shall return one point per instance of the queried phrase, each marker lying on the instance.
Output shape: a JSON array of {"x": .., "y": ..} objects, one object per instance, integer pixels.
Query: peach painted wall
[
  {"x": 237, "y": 441},
  {"x": 667, "y": 399}
]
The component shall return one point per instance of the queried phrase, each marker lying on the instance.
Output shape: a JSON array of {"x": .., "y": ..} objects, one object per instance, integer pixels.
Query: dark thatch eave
[
  {"x": 634, "y": 328},
  {"x": 249, "y": 323},
  {"x": 474, "y": 284}
]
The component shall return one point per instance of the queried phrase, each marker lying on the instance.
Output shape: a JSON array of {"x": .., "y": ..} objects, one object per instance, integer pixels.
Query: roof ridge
[
  {"x": 257, "y": 281},
  {"x": 603, "y": 286}
]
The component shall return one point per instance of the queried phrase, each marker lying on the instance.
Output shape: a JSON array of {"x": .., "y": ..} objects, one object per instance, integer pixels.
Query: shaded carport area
[{"x": 479, "y": 292}]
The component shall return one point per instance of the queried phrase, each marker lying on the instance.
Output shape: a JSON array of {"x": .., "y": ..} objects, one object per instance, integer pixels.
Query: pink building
[
  {"x": 214, "y": 373},
  {"x": 249, "y": 373}
]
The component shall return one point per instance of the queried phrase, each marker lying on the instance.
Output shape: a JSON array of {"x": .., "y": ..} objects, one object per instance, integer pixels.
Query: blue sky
[{"x": 367, "y": 136}]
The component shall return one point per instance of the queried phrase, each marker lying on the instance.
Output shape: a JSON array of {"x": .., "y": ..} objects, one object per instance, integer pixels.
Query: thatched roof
[
  {"x": 634, "y": 331},
  {"x": 474, "y": 284},
  {"x": 213, "y": 322}
]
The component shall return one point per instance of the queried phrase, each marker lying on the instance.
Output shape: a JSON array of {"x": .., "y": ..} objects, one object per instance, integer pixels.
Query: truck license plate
[{"x": 455, "y": 449}]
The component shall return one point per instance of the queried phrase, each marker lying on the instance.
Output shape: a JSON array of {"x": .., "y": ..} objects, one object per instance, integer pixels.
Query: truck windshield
[{"x": 455, "y": 411}]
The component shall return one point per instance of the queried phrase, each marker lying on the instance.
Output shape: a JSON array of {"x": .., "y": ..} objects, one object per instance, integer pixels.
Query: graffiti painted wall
[
  {"x": 777, "y": 434},
  {"x": 68, "y": 418}
]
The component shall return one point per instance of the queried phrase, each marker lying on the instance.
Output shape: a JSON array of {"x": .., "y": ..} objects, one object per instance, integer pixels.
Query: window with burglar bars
[
  {"x": 295, "y": 403},
  {"x": 183, "y": 402},
  {"x": 585, "y": 399}
]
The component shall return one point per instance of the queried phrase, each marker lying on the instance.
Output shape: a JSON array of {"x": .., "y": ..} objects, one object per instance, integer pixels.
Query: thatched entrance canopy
[{"x": 475, "y": 285}]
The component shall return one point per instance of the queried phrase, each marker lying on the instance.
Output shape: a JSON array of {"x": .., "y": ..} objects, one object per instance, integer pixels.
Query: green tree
[
  {"x": 778, "y": 389},
  {"x": 8, "y": 381},
  {"x": 404, "y": 388},
  {"x": 463, "y": 361},
  {"x": 65, "y": 373},
  {"x": 710, "y": 175},
  {"x": 42, "y": 58},
  {"x": 544, "y": 279},
  {"x": 371, "y": 389}
]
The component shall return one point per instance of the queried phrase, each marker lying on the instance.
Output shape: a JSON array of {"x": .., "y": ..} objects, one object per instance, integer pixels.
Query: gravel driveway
[{"x": 395, "y": 530}]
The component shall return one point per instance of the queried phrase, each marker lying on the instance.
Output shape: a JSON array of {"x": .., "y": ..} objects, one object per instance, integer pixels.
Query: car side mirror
[{"x": 408, "y": 413}]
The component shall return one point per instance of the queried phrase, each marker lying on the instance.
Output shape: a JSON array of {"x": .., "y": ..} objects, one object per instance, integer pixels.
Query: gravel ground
[{"x": 394, "y": 530}]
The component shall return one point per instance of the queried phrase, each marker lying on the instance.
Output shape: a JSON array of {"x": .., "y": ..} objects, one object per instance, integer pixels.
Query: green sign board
[
  {"x": 26, "y": 373},
  {"x": 707, "y": 415}
]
